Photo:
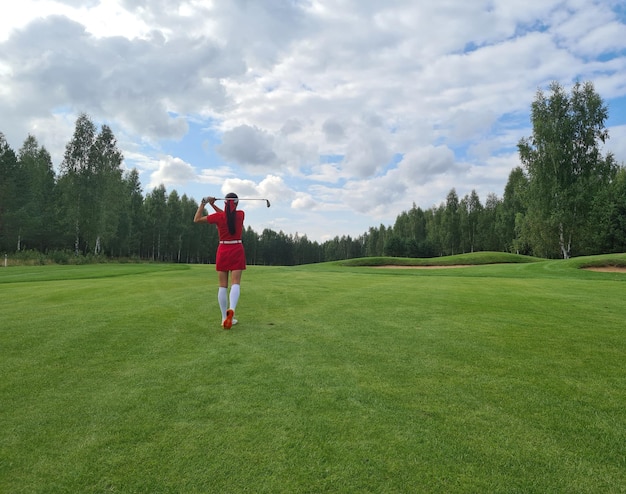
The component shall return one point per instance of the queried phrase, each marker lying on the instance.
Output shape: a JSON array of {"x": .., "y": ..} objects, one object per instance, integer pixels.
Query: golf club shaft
[{"x": 243, "y": 199}]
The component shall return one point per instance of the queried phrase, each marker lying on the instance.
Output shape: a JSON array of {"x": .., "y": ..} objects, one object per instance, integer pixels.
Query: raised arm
[{"x": 199, "y": 217}]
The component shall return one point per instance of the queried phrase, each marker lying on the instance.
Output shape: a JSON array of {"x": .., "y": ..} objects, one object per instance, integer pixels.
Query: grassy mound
[{"x": 473, "y": 259}]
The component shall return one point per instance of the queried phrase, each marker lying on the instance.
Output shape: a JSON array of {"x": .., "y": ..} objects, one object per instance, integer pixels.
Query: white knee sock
[
  {"x": 234, "y": 296},
  {"x": 222, "y": 298}
]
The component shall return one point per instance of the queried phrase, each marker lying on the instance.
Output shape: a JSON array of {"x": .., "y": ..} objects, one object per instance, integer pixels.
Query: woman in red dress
[{"x": 231, "y": 257}]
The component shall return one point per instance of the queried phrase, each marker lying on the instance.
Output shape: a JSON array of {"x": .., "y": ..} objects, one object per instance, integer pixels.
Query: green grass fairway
[{"x": 499, "y": 378}]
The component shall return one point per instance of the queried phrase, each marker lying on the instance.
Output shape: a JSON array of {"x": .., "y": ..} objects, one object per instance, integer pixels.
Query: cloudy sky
[{"x": 343, "y": 113}]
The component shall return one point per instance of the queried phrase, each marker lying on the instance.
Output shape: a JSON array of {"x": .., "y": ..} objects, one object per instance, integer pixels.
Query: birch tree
[
  {"x": 107, "y": 192},
  {"x": 564, "y": 164},
  {"x": 74, "y": 180}
]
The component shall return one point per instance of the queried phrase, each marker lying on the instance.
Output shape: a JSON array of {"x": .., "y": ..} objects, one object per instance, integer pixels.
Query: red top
[{"x": 219, "y": 219}]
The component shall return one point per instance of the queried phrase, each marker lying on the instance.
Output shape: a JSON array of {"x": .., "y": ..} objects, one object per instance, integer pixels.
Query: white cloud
[
  {"x": 617, "y": 143},
  {"x": 172, "y": 171},
  {"x": 248, "y": 145},
  {"x": 303, "y": 201}
]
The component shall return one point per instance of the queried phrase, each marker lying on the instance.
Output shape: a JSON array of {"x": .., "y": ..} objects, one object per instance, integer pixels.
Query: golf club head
[{"x": 268, "y": 202}]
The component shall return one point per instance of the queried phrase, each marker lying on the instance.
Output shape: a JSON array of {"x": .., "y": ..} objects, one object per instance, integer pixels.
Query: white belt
[{"x": 229, "y": 242}]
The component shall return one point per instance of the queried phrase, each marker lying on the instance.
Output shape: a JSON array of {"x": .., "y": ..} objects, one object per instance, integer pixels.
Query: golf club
[{"x": 241, "y": 199}]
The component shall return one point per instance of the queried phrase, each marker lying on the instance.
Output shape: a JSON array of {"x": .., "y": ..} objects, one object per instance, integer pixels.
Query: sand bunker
[{"x": 608, "y": 269}]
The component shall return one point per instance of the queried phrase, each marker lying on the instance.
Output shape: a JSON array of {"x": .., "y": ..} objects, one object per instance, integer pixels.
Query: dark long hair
[{"x": 231, "y": 215}]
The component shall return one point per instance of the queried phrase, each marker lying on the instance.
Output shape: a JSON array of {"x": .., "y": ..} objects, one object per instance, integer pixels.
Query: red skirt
[{"x": 230, "y": 257}]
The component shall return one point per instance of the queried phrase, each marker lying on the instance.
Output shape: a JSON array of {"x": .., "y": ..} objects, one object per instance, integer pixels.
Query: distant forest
[{"x": 566, "y": 200}]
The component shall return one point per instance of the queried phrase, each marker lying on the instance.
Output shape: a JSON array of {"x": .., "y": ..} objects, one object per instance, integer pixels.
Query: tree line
[{"x": 566, "y": 199}]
